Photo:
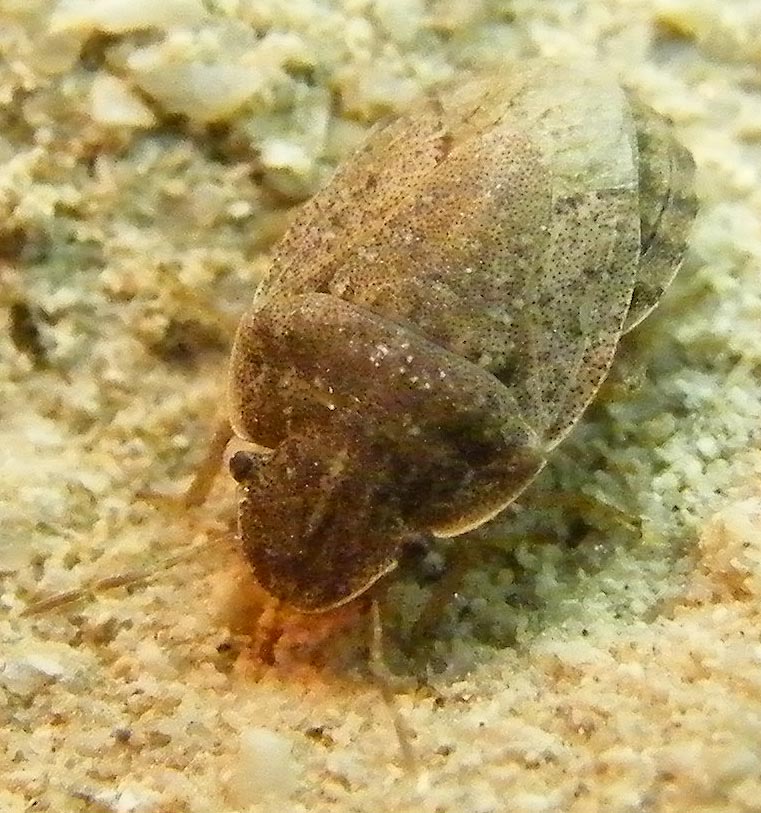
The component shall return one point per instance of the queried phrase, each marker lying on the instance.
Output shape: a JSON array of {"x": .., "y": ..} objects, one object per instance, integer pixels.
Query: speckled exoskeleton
[{"x": 437, "y": 319}]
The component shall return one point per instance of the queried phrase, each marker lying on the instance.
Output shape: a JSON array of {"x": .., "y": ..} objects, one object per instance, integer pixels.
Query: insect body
[{"x": 438, "y": 318}]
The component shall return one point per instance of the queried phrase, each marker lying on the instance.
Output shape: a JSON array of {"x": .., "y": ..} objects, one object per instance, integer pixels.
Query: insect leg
[
  {"x": 100, "y": 585},
  {"x": 459, "y": 561},
  {"x": 206, "y": 473},
  {"x": 203, "y": 477},
  {"x": 382, "y": 678}
]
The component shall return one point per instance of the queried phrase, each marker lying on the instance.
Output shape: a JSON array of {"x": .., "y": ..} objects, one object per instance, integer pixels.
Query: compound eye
[{"x": 243, "y": 465}]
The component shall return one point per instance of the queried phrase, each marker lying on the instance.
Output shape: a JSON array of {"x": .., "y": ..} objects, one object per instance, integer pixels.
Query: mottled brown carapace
[{"x": 438, "y": 318}]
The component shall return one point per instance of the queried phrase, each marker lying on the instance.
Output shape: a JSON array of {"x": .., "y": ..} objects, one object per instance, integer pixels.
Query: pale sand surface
[{"x": 604, "y": 656}]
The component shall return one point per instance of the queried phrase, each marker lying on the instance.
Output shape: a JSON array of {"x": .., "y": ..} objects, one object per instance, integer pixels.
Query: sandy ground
[{"x": 603, "y": 655}]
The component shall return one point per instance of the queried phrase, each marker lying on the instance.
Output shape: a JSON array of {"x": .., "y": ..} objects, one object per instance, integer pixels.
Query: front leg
[
  {"x": 203, "y": 478},
  {"x": 204, "y": 475}
]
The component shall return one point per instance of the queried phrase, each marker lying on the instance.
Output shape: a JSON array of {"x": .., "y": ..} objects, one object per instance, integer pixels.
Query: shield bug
[{"x": 438, "y": 318}]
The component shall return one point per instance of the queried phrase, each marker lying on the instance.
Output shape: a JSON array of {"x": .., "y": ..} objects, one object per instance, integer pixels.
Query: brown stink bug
[{"x": 438, "y": 318}]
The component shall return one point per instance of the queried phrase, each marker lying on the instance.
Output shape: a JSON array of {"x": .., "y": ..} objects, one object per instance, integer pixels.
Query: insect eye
[{"x": 242, "y": 466}]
